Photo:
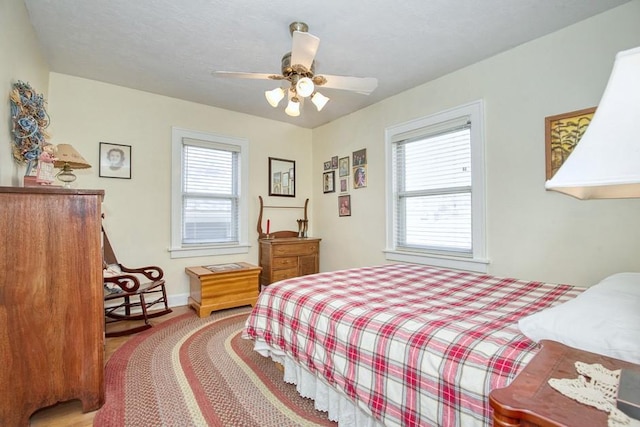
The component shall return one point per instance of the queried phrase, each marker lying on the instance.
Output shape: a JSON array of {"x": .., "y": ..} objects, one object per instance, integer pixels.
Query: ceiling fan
[{"x": 298, "y": 69}]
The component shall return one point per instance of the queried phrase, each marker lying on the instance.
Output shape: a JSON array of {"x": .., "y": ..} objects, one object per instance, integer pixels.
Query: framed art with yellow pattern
[{"x": 562, "y": 134}]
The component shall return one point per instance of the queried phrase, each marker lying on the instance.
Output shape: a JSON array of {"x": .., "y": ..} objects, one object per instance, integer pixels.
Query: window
[
  {"x": 435, "y": 190},
  {"x": 209, "y": 207}
]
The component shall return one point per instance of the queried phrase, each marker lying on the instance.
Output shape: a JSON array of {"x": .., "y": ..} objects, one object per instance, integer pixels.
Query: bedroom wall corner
[
  {"x": 20, "y": 59},
  {"x": 532, "y": 234},
  {"x": 137, "y": 210}
]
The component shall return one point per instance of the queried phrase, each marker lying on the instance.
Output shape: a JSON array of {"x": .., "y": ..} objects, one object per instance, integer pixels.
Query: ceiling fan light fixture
[
  {"x": 293, "y": 109},
  {"x": 274, "y": 96},
  {"x": 305, "y": 87},
  {"x": 319, "y": 100}
]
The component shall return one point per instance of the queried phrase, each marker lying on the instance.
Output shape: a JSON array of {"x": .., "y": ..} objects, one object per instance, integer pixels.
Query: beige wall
[
  {"x": 20, "y": 59},
  {"x": 137, "y": 211},
  {"x": 532, "y": 234}
]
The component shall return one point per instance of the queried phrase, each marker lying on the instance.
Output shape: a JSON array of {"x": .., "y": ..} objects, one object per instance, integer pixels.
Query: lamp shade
[
  {"x": 319, "y": 100},
  {"x": 606, "y": 162},
  {"x": 66, "y": 154},
  {"x": 293, "y": 109},
  {"x": 274, "y": 96},
  {"x": 305, "y": 87}
]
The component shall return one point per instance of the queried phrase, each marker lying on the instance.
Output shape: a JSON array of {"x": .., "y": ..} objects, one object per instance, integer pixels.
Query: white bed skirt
[{"x": 327, "y": 399}]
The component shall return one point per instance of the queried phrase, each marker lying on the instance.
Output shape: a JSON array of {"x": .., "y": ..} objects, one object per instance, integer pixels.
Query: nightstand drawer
[
  {"x": 297, "y": 249},
  {"x": 278, "y": 275},
  {"x": 284, "y": 262}
]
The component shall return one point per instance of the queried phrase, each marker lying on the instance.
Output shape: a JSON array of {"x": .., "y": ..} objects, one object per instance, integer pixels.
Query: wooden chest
[
  {"x": 288, "y": 257},
  {"x": 221, "y": 286},
  {"x": 51, "y": 300}
]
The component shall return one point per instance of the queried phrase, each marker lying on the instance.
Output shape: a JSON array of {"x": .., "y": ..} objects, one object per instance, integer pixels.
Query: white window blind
[
  {"x": 210, "y": 194},
  {"x": 433, "y": 191},
  {"x": 209, "y": 189}
]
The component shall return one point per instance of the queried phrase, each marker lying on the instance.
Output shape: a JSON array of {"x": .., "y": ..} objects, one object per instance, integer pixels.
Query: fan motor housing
[{"x": 288, "y": 69}]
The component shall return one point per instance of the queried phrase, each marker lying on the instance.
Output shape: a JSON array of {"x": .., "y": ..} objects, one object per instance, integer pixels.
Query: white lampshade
[
  {"x": 274, "y": 96},
  {"x": 305, "y": 87},
  {"x": 293, "y": 109},
  {"x": 319, "y": 100},
  {"x": 606, "y": 162}
]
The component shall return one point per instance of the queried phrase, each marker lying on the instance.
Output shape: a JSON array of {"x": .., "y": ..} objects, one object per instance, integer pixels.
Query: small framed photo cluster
[{"x": 355, "y": 164}]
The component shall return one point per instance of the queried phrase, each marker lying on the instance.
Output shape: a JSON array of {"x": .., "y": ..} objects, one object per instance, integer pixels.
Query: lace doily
[{"x": 595, "y": 386}]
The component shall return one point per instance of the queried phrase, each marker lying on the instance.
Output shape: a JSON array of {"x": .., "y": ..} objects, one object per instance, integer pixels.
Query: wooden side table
[
  {"x": 530, "y": 401},
  {"x": 284, "y": 258},
  {"x": 216, "y": 287}
]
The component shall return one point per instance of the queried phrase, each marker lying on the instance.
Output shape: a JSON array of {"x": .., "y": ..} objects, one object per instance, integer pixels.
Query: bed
[{"x": 400, "y": 344}]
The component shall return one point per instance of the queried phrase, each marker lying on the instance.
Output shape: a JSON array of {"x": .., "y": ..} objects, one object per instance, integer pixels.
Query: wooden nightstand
[
  {"x": 288, "y": 257},
  {"x": 222, "y": 286},
  {"x": 530, "y": 401}
]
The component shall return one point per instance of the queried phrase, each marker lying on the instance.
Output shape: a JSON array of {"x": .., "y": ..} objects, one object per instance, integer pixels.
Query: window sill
[
  {"x": 208, "y": 251},
  {"x": 468, "y": 264}
]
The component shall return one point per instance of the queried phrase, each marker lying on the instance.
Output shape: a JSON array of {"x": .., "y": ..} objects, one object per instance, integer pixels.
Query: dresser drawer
[
  {"x": 278, "y": 275},
  {"x": 284, "y": 262},
  {"x": 297, "y": 249}
]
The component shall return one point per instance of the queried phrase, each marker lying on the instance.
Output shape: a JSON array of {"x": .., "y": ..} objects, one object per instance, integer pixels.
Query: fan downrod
[{"x": 298, "y": 26}]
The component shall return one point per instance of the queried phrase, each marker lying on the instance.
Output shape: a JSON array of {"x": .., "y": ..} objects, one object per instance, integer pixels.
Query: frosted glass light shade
[
  {"x": 319, "y": 100},
  {"x": 305, "y": 87},
  {"x": 274, "y": 96},
  {"x": 293, "y": 109},
  {"x": 606, "y": 162}
]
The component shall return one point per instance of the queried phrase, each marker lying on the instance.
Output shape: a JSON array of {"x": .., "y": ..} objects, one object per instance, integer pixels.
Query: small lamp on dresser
[{"x": 67, "y": 159}]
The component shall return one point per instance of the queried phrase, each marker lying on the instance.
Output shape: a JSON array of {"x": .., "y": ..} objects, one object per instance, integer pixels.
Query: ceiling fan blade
[
  {"x": 304, "y": 49},
  {"x": 240, "y": 75},
  {"x": 363, "y": 85}
]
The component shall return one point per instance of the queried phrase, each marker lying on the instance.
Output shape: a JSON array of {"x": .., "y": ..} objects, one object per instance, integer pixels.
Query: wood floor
[{"x": 69, "y": 414}]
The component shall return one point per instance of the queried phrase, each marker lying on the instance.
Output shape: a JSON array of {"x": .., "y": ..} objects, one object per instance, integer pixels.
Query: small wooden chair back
[{"x": 108, "y": 255}]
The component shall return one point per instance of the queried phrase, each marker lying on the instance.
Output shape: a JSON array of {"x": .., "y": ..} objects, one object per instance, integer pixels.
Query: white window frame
[
  {"x": 478, "y": 260},
  {"x": 178, "y": 250}
]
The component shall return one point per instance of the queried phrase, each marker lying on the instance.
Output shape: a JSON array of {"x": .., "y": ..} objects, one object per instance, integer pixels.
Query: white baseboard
[{"x": 177, "y": 300}]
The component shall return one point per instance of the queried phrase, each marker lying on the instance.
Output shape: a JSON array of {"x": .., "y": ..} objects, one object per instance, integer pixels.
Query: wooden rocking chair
[{"x": 126, "y": 298}]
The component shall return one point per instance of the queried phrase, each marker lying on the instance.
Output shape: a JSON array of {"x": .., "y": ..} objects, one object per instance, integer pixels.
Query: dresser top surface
[
  {"x": 290, "y": 240},
  {"x": 47, "y": 189}
]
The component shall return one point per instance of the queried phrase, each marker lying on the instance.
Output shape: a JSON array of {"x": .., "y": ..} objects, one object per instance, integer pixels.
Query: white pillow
[
  {"x": 604, "y": 319},
  {"x": 111, "y": 270}
]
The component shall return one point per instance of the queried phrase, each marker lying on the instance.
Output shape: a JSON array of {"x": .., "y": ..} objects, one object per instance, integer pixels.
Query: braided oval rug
[{"x": 189, "y": 371}]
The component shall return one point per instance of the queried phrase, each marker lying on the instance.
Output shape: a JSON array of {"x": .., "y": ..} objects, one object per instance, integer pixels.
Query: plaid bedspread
[{"x": 418, "y": 346}]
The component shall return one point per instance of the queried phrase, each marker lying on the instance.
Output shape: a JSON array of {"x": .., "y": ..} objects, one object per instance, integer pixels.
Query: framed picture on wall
[
  {"x": 360, "y": 176},
  {"x": 344, "y": 205},
  {"x": 282, "y": 180},
  {"x": 329, "y": 182},
  {"x": 562, "y": 135},
  {"x": 344, "y": 185},
  {"x": 360, "y": 157},
  {"x": 343, "y": 166},
  {"x": 115, "y": 161}
]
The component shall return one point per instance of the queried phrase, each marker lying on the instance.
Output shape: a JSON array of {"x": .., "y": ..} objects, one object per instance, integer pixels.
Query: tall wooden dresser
[
  {"x": 51, "y": 300},
  {"x": 283, "y": 258}
]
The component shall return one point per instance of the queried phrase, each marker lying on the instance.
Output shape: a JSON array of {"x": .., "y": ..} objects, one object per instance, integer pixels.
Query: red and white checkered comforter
[{"x": 419, "y": 346}]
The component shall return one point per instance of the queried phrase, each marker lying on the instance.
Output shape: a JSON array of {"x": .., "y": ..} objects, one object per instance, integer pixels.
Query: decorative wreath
[{"x": 30, "y": 119}]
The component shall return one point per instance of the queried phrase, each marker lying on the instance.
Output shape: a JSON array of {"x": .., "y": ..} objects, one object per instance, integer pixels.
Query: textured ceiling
[{"x": 171, "y": 47}]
